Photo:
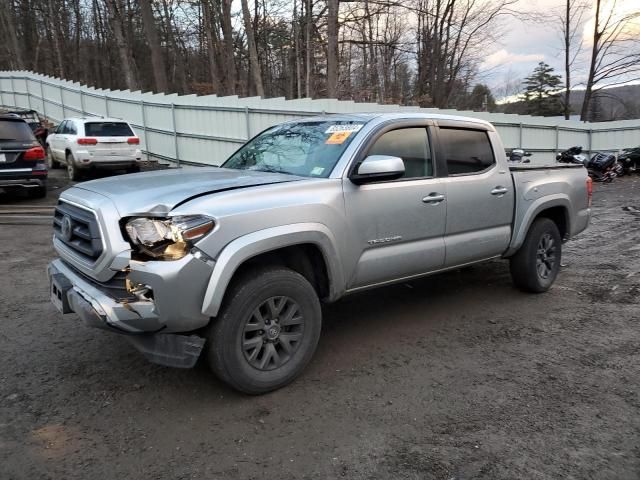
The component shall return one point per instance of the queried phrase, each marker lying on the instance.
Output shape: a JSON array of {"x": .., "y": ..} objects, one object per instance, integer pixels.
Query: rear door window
[
  {"x": 466, "y": 151},
  {"x": 14, "y": 130},
  {"x": 107, "y": 129}
]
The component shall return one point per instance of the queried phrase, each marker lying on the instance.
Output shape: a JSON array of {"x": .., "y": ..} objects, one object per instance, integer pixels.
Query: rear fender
[
  {"x": 263, "y": 241},
  {"x": 533, "y": 210}
]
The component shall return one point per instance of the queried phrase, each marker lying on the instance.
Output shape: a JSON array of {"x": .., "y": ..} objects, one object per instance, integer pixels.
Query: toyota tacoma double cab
[{"x": 236, "y": 261}]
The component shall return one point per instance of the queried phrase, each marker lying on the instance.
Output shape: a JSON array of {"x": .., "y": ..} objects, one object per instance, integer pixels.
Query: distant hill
[{"x": 617, "y": 103}]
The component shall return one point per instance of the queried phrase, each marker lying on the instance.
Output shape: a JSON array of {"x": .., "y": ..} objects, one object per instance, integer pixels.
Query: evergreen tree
[
  {"x": 541, "y": 96},
  {"x": 481, "y": 99}
]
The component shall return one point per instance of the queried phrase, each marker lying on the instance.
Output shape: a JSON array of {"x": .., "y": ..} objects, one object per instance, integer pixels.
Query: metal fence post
[
  {"x": 144, "y": 128},
  {"x": 64, "y": 112},
  {"x": 247, "y": 122},
  {"x": 557, "y": 138},
  {"x": 82, "y": 102},
  {"x": 520, "y": 141},
  {"x": 175, "y": 134},
  {"x": 13, "y": 90},
  {"x": 44, "y": 103},
  {"x": 26, "y": 82}
]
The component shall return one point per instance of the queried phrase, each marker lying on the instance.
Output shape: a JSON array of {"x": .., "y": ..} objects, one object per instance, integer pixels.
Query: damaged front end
[{"x": 152, "y": 303}]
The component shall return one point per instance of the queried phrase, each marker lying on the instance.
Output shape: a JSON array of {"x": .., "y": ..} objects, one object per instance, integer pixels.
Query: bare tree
[
  {"x": 7, "y": 22},
  {"x": 615, "y": 54},
  {"x": 116, "y": 15},
  {"x": 332, "y": 48},
  {"x": 256, "y": 72},
  {"x": 157, "y": 59},
  {"x": 571, "y": 20}
]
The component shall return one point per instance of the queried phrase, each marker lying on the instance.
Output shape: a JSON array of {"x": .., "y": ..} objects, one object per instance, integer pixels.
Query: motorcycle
[
  {"x": 572, "y": 155},
  {"x": 603, "y": 167},
  {"x": 518, "y": 155}
]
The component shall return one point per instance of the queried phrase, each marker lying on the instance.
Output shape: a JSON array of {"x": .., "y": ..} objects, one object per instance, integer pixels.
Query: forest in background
[{"x": 414, "y": 52}]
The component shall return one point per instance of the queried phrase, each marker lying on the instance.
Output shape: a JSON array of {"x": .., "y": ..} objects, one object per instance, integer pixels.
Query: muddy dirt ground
[{"x": 458, "y": 376}]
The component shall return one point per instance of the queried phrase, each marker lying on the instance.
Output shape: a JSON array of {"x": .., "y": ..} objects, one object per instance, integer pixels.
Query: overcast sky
[{"x": 527, "y": 42}]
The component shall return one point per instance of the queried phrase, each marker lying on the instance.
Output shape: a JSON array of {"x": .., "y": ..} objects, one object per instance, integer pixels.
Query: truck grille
[{"x": 78, "y": 229}]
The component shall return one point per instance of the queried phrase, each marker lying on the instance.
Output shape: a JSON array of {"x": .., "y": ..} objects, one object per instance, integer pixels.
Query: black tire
[
  {"x": 50, "y": 161},
  {"x": 236, "y": 336},
  {"x": 72, "y": 169},
  {"x": 536, "y": 264},
  {"x": 38, "y": 192}
]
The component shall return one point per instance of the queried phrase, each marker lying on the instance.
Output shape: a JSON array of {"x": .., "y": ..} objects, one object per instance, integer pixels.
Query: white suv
[{"x": 83, "y": 143}]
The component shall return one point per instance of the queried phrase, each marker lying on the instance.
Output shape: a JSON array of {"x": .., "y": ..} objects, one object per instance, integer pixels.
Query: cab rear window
[
  {"x": 15, "y": 130},
  {"x": 107, "y": 129}
]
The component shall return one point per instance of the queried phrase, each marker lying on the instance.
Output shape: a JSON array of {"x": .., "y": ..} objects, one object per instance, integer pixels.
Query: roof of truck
[{"x": 367, "y": 117}]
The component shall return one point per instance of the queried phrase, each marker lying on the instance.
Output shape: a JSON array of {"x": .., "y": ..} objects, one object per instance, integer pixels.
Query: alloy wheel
[
  {"x": 273, "y": 333},
  {"x": 546, "y": 256}
]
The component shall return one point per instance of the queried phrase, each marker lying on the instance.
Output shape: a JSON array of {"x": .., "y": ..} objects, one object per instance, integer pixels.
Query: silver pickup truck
[{"x": 236, "y": 260}]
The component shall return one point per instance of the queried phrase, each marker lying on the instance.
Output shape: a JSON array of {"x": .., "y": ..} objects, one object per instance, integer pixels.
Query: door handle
[
  {"x": 433, "y": 198},
  {"x": 499, "y": 191}
]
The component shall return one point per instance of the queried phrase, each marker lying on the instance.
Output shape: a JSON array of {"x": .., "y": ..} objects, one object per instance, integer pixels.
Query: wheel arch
[
  {"x": 308, "y": 249},
  {"x": 557, "y": 209}
]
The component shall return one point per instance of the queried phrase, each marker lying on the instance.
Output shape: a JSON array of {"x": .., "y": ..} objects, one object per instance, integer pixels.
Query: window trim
[
  {"x": 467, "y": 127},
  {"x": 386, "y": 127}
]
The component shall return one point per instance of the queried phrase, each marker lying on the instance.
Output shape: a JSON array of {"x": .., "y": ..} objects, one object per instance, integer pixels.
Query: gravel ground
[{"x": 458, "y": 376}]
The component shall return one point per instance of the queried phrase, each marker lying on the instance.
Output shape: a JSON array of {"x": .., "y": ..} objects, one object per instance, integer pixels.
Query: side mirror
[
  {"x": 376, "y": 168},
  {"x": 527, "y": 154}
]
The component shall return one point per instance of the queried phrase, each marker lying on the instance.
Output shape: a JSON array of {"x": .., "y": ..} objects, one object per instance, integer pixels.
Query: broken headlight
[{"x": 167, "y": 238}]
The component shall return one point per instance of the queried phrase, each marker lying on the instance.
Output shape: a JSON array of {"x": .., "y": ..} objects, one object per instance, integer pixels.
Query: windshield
[
  {"x": 309, "y": 149},
  {"x": 107, "y": 129}
]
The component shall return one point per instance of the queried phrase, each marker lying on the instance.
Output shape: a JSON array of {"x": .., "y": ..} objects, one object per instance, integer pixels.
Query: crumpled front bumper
[{"x": 138, "y": 320}]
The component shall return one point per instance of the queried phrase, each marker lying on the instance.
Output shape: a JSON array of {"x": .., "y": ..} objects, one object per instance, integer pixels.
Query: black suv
[{"x": 22, "y": 158}]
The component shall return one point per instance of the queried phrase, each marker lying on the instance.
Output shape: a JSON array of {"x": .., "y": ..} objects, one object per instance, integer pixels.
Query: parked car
[
  {"x": 35, "y": 122},
  {"x": 90, "y": 143},
  {"x": 629, "y": 159},
  {"x": 22, "y": 159},
  {"x": 240, "y": 257}
]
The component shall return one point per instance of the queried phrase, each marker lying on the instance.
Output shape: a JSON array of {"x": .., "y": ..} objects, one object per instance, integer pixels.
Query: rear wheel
[
  {"x": 267, "y": 331},
  {"x": 535, "y": 266},
  {"x": 72, "y": 169}
]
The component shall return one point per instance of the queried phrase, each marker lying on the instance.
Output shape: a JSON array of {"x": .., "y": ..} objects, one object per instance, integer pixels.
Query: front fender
[{"x": 262, "y": 241}]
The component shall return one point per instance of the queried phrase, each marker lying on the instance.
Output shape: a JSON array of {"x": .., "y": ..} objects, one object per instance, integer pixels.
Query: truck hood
[{"x": 160, "y": 191}]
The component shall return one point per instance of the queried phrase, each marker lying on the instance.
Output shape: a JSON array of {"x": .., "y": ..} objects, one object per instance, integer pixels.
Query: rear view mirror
[
  {"x": 527, "y": 154},
  {"x": 376, "y": 168}
]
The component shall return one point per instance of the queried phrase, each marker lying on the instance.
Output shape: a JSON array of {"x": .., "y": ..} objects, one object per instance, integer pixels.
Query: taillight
[
  {"x": 133, "y": 141},
  {"x": 589, "y": 190},
  {"x": 87, "y": 141},
  {"x": 35, "y": 153}
]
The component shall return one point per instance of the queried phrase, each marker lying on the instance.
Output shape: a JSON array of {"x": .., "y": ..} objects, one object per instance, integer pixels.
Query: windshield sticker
[
  {"x": 337, "y": 138},
  {"x": 317, "y": 170},
  {"x": 353, "y": 127}
]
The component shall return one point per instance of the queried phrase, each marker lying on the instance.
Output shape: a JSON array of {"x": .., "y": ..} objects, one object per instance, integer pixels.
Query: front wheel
[
  {"x": 267, "y": 331},
  {"x": 536, "y": 264},
  {"x": 51, "y": 162}
]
